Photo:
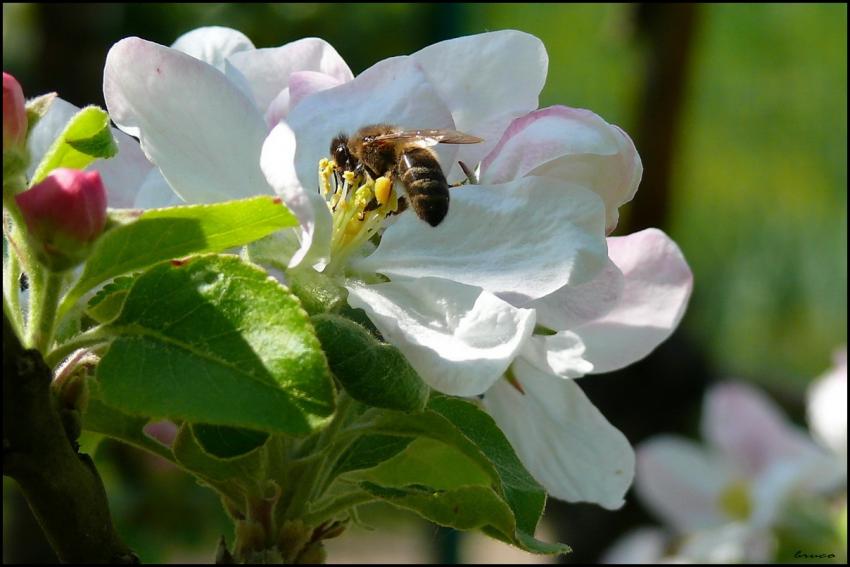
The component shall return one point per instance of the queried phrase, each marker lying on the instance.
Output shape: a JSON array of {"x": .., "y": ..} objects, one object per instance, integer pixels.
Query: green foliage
[
  {"x": 459, "y": 471},
  {"x": 372, "y": 372},
  {"x": 163, "y": 234},
  {"x": 214, "y": 340},
  {"x": 86, "y": 138}
]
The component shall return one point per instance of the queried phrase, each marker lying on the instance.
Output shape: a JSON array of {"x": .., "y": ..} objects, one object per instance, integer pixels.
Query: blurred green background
[{"x": 756, "y": 191}]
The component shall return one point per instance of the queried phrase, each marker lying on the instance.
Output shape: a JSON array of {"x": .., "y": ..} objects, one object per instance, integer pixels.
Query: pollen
[
  {"x": 358, "y": 205},
  {"x": 383, "y": 188}
]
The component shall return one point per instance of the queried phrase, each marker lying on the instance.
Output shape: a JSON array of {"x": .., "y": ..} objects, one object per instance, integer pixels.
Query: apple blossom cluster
[
  {"x": 517, "y": 292},
  {"x": 758, "y": 480}
]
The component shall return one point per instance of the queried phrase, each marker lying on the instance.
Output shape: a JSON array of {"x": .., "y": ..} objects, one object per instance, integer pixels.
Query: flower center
[
  {"x": 735, "y": 500},
  {"x": 358, "y": 205}
]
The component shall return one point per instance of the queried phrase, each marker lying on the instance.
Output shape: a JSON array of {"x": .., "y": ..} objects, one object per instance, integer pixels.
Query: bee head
[{"x": 341, "y": 156}]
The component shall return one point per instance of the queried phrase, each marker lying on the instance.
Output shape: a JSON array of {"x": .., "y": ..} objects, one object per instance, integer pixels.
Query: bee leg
[
  {"x": 400, "y": 208},
  {"x": 471, "y": 178}
]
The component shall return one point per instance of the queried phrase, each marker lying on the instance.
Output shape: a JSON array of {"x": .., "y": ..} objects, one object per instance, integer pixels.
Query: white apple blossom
[
  {"x": 723, "y": 501},
  {"x": 525, "y": 246}
]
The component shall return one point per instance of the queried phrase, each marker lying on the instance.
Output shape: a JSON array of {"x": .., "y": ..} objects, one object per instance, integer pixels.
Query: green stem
[
  {"x": 44, "y": 301},
  {"x": 312, "y": 478},
  {"x": 336, "y": 506},
  {"x": 87, "y": 339},
  {"x": 12, "y": 291}
]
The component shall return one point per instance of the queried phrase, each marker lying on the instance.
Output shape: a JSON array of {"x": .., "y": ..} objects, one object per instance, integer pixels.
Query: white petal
[
  {"x": 314, "y": 232},
  {"x": 571, "y": 144},
  {"x": 559, "y": 354},
  {"x": 750, "y": 429},
  {"x": 487, "y": 80},
  {"x": 639, "y": 546},
  {"x": 561, "y": 438},
  {"x": 268, "y": 70},
  {"x": 213, "y": 44},
  {"x": 195, "y": 125},
  {"x": 155, "y": 193},
  {"x": 301, "y": 85},
  {"x": 393, "y": 91},
  {"x": 526, "y": 238},
  {"x": 122, "y": 175},
  {"x": 657, "y": 287},
  {"x": 681, "y": 483},
  {"x": 736, "y": 542},
  {"x": 460, "y": 339},
  {"x": 573, "y": 305},
  {"x": 827, "y": 406}
]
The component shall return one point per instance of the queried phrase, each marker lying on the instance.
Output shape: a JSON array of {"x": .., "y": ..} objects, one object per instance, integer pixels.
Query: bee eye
[{"x": 341, "y": 155}]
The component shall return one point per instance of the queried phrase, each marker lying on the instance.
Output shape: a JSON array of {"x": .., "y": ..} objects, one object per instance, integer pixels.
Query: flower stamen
[{"x": 358, "y": 206}]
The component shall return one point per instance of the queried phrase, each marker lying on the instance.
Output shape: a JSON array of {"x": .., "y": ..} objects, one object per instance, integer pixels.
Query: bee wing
[{"x": 427, "y": 138}]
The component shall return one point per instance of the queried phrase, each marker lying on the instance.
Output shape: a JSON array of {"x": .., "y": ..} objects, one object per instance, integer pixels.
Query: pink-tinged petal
[
  {"x": 657, "y": 287},
  {"x": 827, "y": 406},
  {"x": 268, "y": 70},
  {"x": 199, "y": 129},
  {"x": 573, "y": 305},
  {"x": 562, "y": 439},
  {"x": 681, "y": 483},
  {"x": 487, "y": 80},
  {"x": 301, "y": 85},
  {"x": 559, "y": 354},
  {"x": 393, "y": 91},
  {"x": 750, "y": 429},
  {"x": 122, "y": 175},
  {"x": 571, "y": 144},
  {"x": 460, "y": 339},
  {"x": 638, "y": 547},
  {"x": 524, "y": 239},
  {"x": 213, "y": 44},
  {"x": 315, "y": 223}
]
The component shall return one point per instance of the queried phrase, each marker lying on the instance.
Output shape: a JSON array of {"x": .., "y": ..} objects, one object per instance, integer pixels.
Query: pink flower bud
[
  {"x": 64, "y": 214},
  {"x": 14, "y": 114}
]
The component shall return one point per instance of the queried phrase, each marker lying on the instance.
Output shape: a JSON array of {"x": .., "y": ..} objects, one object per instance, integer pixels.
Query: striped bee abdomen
[{"x": 426, "y": 185}]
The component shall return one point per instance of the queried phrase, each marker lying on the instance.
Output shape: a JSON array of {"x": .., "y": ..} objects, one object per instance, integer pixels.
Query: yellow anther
[
  {"x": 349, "y": 176},
  {"x": 383, "y": 189},
  {"x": 323, "y": 163}
]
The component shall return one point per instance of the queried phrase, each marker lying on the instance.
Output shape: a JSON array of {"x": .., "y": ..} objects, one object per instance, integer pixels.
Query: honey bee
[{"x": 383, "y": 149}]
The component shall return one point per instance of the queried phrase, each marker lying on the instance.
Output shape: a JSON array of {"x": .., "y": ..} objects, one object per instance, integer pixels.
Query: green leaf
[
  {"x": 163, "y": 234},
  {"x": 473, "y": 434},
  {"x": 228, "y": 442},
  {"x": 86, "y": 137},
  {"x": 191, "y": 454},
  {"x": 215, "y": 340},
  {"x": 463, "y": 508},
  {"x": 318, "y": 293},
  {"x": 107, "y": 302},
  {"x": 369, "y": 451},
  {"x": 372, "y": 372}
]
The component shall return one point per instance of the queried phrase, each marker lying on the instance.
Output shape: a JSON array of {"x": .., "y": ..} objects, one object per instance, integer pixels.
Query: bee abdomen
[{"x": 426, "y": 185}]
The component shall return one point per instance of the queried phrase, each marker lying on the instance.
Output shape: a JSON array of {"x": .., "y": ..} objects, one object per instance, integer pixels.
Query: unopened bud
[
  {"x": 64, "y": 214},
  {"x": 15, "y": 155},
  {"x": 14, "y": 114}
]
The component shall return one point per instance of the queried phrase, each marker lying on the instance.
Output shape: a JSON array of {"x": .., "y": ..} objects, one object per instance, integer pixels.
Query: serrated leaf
[
  {"x": 106, "y": 303},
  {"x": 469, "y": 430},
  {"x": 372, "y": 372},
  {"x": 163, "y": 234},
  {"x": 228, "y": 442},
  {"x": 463, "y": 508},
  {"x": 86, "y": 137},
  {"x": 215, "y": 340}
]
